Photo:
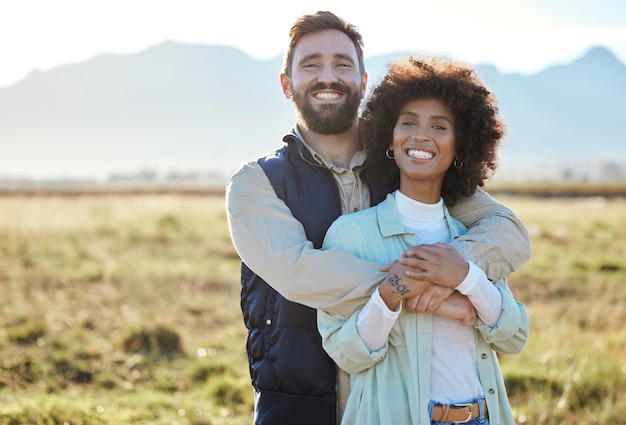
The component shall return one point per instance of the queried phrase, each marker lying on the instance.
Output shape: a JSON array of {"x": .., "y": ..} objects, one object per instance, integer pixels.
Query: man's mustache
[{"x": 332, "y": 86}]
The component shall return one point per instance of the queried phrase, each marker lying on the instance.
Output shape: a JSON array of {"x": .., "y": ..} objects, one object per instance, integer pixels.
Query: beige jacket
[{"x": 273, "y": 244}]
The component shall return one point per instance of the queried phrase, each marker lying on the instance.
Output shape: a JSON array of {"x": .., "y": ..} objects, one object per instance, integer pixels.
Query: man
[{"x": 280, "y": 206}]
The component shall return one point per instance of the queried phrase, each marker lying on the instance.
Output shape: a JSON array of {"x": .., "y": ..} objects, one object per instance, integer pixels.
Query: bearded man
[{"x": 279, "y": 207}]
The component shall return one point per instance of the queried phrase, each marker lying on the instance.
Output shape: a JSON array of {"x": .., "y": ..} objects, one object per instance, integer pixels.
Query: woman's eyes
[{"x": 435, "y": 126}]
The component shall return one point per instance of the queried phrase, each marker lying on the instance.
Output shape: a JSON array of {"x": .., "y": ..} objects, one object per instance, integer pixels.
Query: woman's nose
[{"x": 419, "y": 136}]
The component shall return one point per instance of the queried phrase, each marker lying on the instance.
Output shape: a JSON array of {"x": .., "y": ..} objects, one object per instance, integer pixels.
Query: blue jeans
[{"x": 482, "y": 419}]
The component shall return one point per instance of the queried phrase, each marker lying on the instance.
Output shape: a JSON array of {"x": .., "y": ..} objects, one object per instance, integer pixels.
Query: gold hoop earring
[
  {"x": 389, "y": 154},
  {"x": 457, "y": 164}
]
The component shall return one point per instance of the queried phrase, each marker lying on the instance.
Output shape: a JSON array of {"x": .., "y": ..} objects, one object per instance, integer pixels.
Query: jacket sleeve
[
  {"x": 497, "y": 240},
  {"x": 510, "y": 333},
  {"x": 343, "y": 344},
  {"x": 273, "y": 244}
]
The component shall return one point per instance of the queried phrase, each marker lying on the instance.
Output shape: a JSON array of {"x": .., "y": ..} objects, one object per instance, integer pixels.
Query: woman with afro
[{"x": 431, "y": 131}]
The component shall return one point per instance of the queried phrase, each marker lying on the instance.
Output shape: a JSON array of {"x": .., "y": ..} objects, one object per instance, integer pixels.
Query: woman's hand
[
  {"x": 424, "y": 277},
  {"x": 437, "y": 263}
]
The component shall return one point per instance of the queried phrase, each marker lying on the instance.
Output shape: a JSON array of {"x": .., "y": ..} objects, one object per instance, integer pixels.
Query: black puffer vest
[{"x": 292, "y": 373}]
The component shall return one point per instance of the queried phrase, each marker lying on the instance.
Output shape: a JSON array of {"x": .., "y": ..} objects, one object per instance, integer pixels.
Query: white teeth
[
  {"x": 420, "y": 154},
  {"x": 327, "y": 96}
]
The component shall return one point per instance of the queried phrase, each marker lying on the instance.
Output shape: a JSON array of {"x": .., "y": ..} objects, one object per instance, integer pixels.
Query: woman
[{"x": 432, "y": 137}]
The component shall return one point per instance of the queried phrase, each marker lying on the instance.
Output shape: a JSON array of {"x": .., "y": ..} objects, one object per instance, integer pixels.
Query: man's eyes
[{"x": 338, "y": 65}]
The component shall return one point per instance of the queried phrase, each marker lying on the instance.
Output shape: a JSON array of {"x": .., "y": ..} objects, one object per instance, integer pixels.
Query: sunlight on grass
[
  {"x": 125, "y": 309},
  {"x": 108, "y": 300},
  {"x": 573, "y": 370}
]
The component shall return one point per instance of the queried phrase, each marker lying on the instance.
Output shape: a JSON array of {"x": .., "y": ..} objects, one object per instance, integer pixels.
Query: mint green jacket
[{"x": 391, "y": 386}]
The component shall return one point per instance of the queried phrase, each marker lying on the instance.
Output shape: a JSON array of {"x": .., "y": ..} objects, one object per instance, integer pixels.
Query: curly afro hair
[{"x": 478, "y": 129}]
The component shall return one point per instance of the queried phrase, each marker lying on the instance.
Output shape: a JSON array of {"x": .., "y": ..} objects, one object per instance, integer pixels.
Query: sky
[{"x": 522, "y": 36}]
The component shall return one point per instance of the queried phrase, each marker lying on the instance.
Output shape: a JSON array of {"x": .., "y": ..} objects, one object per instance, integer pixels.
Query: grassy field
[{"x": 124, "y": 309}]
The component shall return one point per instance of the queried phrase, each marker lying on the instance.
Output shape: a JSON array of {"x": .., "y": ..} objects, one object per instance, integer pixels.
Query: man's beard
[{"x": 329, "y": 118}]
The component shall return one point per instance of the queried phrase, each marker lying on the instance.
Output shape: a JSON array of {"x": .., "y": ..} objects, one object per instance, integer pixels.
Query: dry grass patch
[{"x": 125, "y": 309}]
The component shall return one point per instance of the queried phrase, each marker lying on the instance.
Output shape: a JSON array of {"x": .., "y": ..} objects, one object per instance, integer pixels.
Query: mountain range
[{"x": 181, "y": 108}]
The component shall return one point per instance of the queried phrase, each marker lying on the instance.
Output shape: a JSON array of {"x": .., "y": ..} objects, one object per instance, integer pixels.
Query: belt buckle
[{"x": 470, "y": 407}]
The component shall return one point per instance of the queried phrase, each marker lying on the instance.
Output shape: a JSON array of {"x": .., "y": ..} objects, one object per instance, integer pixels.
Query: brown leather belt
[{"x": 460, "y": 413}]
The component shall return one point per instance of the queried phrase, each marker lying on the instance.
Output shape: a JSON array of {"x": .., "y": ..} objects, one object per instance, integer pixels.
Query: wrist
[
  {"x": 378, "y": 300},
  {"x": 391, "y": 299},
  {"x": 470, "y": 282}
]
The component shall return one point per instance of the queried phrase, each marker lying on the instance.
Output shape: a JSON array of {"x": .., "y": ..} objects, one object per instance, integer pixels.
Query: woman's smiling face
[{"x": 424, "y": 143}]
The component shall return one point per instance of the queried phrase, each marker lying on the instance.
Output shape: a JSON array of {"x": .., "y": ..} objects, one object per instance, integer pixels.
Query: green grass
[
  {"x": 120, "y": 309},
  {"x": 124, "y": 309},
  {"x": 573, "y": 370}
]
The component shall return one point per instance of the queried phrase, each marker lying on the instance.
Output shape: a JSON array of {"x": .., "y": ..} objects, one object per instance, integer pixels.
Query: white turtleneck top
[{"x": 454, "y": 371}]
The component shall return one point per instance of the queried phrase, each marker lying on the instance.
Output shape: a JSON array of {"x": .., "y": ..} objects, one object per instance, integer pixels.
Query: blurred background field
[{"x": 123, "y": 308}]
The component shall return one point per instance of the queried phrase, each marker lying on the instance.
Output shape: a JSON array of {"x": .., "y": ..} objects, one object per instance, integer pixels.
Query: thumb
[{"x": 385, "y": 268}]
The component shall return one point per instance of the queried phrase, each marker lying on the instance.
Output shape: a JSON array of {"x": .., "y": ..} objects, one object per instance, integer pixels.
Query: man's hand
[
  {"x": 398, "y": 285},
  {"x": 457, "y": 306},
  {"x": 424, "y": 277},
  {"x": 429, "y": 300}
]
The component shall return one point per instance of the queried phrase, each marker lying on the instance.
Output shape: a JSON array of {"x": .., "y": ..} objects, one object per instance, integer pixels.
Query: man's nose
[{"x": 327, "y": 75}]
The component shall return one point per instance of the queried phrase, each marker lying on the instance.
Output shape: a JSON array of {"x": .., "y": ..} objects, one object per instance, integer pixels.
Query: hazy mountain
[
  {"x": 179, "y": 107},
  {"x": 568, "y": 114},
  {"x": 171, "y": 106}
]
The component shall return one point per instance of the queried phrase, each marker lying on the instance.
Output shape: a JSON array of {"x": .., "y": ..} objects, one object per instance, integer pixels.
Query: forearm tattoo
[{"x": 398, "y": 288}]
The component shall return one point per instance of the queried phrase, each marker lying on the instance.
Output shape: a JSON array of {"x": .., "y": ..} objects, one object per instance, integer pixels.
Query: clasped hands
[{"x": 425, "y": 277}]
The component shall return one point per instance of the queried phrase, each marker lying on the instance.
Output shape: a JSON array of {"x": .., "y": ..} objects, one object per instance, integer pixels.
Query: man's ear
[
  {"x": 284, "y": 83},
  {"x": 364, "y": 79}
]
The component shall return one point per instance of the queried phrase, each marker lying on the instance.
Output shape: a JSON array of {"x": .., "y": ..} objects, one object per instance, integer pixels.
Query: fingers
[
  {"x": 410, "y": 304},
  {"x": 415, "y": 268},
  {"x": 438, "y": 263},
  {"x": 428, "y": 251},
  {"x": 459, "y": 307},
  {"x": 385, "y": 268},
  {"x": 428, "y": 301},
  {"x": 398, "y": 285},
  {"x": 456, "y": 306}
]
